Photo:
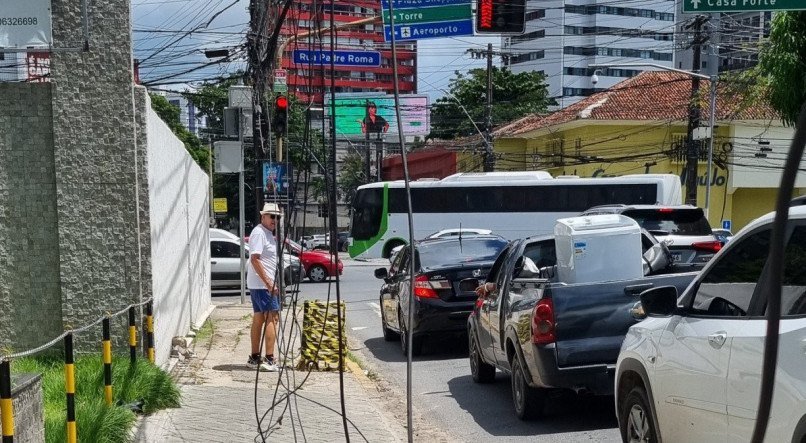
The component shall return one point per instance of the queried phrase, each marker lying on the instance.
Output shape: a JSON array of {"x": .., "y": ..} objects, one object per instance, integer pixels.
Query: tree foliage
[
  {"x": 514, "y": 96},
  {"x": 170, "y": 114},
  {"x": 351, "y": 176},
  {"x": 783, "y": 62}
]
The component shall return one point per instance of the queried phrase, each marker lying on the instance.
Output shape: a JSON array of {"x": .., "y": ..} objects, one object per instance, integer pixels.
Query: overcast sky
[{"x": 171, "y": 35}]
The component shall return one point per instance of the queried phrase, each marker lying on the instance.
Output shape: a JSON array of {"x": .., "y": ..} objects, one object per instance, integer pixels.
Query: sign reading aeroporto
[
  {"x": 25, "y": 24},
  {"x": 742, "y": 5}
]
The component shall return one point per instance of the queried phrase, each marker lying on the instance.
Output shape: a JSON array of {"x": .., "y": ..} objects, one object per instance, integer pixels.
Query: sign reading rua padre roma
[{"x": 25, "y": 24}]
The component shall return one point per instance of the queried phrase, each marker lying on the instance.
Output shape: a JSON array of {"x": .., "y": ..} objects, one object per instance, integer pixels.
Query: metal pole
[
  {"x": 692, "y": 154},
  {"x": 6, "y": 402},
  {"x": 70, "y": 387},
  {"x": 714, "y": 79},
  {"x": 489, "y": 163},
  {"x": 210, "y": 175},
  {"x": 410, "y": 219},
  {"x": 242, "y": 209}
]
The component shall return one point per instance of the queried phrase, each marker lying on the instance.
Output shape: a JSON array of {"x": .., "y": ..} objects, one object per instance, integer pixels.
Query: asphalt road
[{"x": 443, "y": 389}]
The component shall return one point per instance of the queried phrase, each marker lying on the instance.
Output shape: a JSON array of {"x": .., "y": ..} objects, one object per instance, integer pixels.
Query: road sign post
[
  {"x": 422, "y": 19},
  {"x": 280, "y": 80},
  {"x": 700, "y": 6}
]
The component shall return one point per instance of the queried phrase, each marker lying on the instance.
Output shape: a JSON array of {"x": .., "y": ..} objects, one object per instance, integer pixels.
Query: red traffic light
[{"x": 281, "y": 103}]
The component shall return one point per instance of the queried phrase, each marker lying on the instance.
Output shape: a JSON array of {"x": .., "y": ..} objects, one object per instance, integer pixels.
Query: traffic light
[
  {"x": 280, "y": 124},
  {"x": 500, "y": 16}
]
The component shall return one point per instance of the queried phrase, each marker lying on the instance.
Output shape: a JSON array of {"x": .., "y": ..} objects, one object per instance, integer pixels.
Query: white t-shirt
[{"x": 261, "y": 241}]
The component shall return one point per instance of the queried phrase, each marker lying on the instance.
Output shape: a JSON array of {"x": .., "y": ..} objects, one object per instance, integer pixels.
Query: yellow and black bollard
[
  {"x": 132, "y": 336},
  {"x": 150, "y": 330},
  {"x": 107, "y": 356},
  {"x": 6, "y": 407},
  {"x": 70, "y": 387}
]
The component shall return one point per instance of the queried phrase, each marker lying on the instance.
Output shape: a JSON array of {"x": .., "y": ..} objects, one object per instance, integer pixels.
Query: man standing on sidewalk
[{"x": 265, "y": 294}]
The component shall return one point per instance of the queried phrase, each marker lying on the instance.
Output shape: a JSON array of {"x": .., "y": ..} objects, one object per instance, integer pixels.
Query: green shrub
[{"x": 95, "y": 421}]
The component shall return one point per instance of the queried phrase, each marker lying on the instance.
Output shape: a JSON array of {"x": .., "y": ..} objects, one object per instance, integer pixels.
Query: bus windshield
[{"x": 367, "y": 213}]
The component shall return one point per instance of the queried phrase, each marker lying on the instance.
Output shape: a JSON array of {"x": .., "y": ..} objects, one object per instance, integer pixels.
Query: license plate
[{"x": 676, "y": 256}]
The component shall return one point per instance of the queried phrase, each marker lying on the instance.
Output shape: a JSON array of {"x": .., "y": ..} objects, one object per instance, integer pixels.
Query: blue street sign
[
  {"x": 726, "y": 224},
  {"x": 340, "y": 58},
  {"x": 405, "y": 4},
  {"x": 420, "y": 31}
]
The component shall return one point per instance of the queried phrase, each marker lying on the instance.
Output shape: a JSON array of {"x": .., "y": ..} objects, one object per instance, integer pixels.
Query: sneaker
[
  {"x": 253, "y": 362},
  {"x": 268, "y": 365}
]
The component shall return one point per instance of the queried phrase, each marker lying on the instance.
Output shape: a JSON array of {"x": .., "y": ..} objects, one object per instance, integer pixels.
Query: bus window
[{"x": 367, "y": 213}]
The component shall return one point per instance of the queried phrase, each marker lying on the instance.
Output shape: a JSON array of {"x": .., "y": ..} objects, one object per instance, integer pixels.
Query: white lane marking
[
  {"x": 358, "y": 328},
  {"x": 375, "y": 307}
]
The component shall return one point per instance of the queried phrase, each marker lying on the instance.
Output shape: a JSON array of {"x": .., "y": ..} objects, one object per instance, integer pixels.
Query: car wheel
[
  {"x": 528, "y": 401},
  {"x": 482, "y": 372},
  {"x": 416, "y": 342},
  {"x": 317, "y": 273},
  {"x": 635, "y": 418},
  {"x": 388, "y": 334}
]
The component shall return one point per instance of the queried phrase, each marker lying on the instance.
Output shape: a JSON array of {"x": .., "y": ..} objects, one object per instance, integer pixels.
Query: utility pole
[
  {"x": 489, "y": 154},
  {"x": 259, "y": 21},
  {"x": 694, "y": 111}
]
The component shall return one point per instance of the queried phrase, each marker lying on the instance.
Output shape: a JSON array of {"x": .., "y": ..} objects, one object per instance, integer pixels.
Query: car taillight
[
  {"x": 543, "y": 323},
  {"x": 425, "y": 288},
  {"x": 707, "y": 246},
  {"x": 665, "y": 210}
]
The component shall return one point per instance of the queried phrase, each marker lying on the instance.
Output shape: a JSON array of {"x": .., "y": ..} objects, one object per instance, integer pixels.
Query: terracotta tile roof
[{"x": 652, "y": 96}]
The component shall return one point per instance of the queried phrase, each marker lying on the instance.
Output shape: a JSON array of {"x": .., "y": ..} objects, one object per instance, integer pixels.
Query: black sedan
[{"x": 440, "y": 307}]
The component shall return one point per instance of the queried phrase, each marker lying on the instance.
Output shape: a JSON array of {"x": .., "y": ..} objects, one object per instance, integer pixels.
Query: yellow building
[{"x": 639, "y": 126}]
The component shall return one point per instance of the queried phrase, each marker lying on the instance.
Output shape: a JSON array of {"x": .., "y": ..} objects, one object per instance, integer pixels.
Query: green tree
[
  {"x": 170, "y": 115},
  {"x": 210, "y": 101},
  {"x": 783, "y": 63},
  {"x": 514, "y": 96},
  {"x": 351, "y": 176}
]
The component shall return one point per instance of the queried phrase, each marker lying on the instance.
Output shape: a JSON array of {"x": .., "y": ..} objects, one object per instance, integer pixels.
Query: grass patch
[
  {"x": 206, "y": 331},
  {"x": 368, "y": 372},
  {"x": 95, "y": 421}
]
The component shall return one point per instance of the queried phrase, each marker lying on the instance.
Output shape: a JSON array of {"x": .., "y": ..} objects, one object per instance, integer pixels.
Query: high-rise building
[
  {"x": 564, "y": 37},
  {"x": 734, "y": 40},
  {"x": 306, "y": 80}
]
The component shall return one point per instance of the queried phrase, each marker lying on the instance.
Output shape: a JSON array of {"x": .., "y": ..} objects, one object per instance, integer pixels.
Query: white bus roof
[{"x": 526, "y": 178}]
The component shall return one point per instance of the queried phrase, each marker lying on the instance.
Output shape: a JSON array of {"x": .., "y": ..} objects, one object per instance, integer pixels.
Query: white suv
[{"x": 691, "y": 371}]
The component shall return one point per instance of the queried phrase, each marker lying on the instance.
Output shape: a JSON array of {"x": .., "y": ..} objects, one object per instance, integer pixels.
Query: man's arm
[{"x": 258, "y": 266}]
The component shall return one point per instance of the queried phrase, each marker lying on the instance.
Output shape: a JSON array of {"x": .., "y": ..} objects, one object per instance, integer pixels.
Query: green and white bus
[{"x": 511, "y": 204}]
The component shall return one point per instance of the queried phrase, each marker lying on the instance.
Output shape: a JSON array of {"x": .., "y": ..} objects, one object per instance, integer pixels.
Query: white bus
[{"x": 512, "y": 204}]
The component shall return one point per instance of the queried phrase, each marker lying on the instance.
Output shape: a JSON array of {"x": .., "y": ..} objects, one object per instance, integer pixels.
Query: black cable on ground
[
  {"x": 332, "y": 213},
  {"x": 773, "y": 283}
]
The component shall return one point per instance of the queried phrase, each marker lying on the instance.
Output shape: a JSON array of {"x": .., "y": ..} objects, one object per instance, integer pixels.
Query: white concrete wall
[
  {"x": 749, "y": 171},
  {"x": 180, "y": 246}
]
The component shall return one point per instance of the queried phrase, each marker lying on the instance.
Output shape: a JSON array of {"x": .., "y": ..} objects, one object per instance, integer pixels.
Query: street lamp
[{"x": 712, "y": 78}]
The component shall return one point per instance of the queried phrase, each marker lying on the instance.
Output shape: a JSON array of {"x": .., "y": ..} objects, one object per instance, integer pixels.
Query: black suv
[{"x": 684, "y": 228}]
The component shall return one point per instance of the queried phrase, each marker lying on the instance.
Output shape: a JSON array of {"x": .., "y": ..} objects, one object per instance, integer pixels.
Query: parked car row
[
  {"x": 645, "y": 303},
  {"x": 298, "y": 263}
]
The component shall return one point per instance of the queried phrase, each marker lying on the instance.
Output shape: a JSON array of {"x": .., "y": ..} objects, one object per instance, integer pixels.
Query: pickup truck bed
[{"x": 585, "y": 325}]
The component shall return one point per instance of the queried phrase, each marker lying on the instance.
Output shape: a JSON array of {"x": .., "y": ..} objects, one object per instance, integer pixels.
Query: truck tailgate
[{"x": 592, "y": 318}]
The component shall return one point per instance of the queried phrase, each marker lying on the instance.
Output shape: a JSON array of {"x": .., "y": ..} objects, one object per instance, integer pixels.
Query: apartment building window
[
  {"x": 613, "y": 10},
  {"x": 576, "y": 50},
  {"x": 540, "y": 33},
  {"x": 571, "y": 92},
  {"x": 536, "y": 14},
  {"x": 527, "y": 57}
]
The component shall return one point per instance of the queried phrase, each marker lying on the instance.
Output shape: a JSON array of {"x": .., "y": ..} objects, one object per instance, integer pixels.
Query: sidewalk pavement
[{"x": 218, "y": 396}]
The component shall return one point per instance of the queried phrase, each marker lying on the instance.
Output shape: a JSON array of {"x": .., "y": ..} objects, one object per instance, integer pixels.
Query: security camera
[{"x": 594, "y": 79}]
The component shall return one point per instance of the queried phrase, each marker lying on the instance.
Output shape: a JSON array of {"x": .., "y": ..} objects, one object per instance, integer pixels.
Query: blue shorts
[{"x": 263, "y": 301}]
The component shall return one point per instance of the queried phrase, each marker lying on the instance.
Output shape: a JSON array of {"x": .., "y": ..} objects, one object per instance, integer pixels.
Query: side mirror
[
  {"x": 659, "y": 302},
  {"x": 469, "y": 284},
  {"x": 381, "y": 273}
]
